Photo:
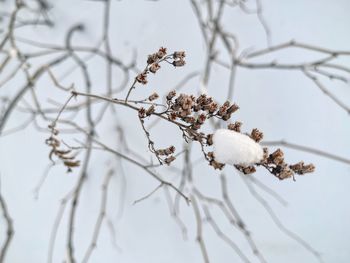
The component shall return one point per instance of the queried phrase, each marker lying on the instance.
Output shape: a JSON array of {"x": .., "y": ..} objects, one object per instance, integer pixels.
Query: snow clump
[{"x": 231, "y": 147}]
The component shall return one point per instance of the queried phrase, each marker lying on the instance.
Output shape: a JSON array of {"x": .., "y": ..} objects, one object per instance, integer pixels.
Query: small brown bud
[
  {"x": 196, "y": 126},
  {"x": 142, "y": 78},
  {"x": 154, "y": 67},
  {"x": 152, "y": 58},
  {"x": 153, "y": 96},
  {"x": 235, "y": 126},
  {"x": 232, "y": 109},
  {"x": 142, "y": 113},
  {"x": 256, "y": 135},
  {"x": 169, "y": 159},
  {"x": 179, "y": 54},
  {"x": 212, "y": 107},
  {"x": 150, "y": 110},
  {"x": 249, "y": 170},
  {"x": 210, "y": 139},
  {"x": 285, "y": 173},
  {"x": 226, "y": 117},
  {"x": 172, "y": 116},
  {"x": 216, "y": 164},
  {"x": 189, "y": 119},
  {"x": 161, "y": 52},
  {"x": 179, "y": 63},
  {"x": 222, "y": 111},
  {"x": 277, "y": 157},
  {"x": 201, "y": 118},
  {"x": 171, "y": 95},
  {"x": 227, "y": 104}
]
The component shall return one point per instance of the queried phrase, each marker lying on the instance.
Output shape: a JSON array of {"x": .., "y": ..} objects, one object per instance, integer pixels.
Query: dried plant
[{"x": 195, "y": 117}]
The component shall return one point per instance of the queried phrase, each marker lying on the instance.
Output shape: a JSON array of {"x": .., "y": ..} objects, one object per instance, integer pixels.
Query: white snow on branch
[{"x": 232, "y": 147}]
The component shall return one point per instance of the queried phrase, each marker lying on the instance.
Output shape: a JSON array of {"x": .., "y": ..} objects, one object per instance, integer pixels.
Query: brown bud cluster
[
  {"x": 194, "y": 112},
  {"x": 154, "y": 60},
  {"x": 226, "y": 110},
  {"x": 235, "y": 126},
  {"x": 275, "y": 163},
  {"x": 246, "y": 169},
  {"x": 190, "y": 113},
  {"x": 179, "y": 58},
  {"x": 166, "y": 151}
]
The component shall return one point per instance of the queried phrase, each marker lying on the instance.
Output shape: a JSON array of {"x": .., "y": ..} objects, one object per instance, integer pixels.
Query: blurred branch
[{"x": 9, "y": 228}]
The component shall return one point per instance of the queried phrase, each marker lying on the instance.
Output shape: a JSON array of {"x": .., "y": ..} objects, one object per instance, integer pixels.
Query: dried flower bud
[
  {"x": 256, "y": 135},
  {"x": 216, "y": 164},
  {"x": 266, "y": 155},
  {"x": 222, "y": 111},
  {"x": 170, "y": 150},
  {"x": 247, "y": 169},
  {"x": 210, "y": 155},
  {"x": 196, "y": 126},
  {"x": 179, "y": 63},
  {"x": 226, "y": 117},
  {"x": 186, "y": 102},
  {"x": 189, "y": 119},
  {"x": 235, "y": 126},
  {"x": 161, "y": 52},
  {"x": 300, "y": 168},
  {"x": 184, "y": 113},
  {"x": 201, "y": 118},
  {"x": 196, "y": 107},
  {"x": 226, "y": 104},
  {"x": 153, "y": 96},
  {"x": 154, "y": 67},
  {"x": 142, "y": 113},
  {"x": 232, "y": 109},
  {"x": 179, "y": 54},
  {"x": 142, "y": 78},
  {"x": 152, "y": 58},
  {"x": 169, "y": 159},
  {"x": 285, "y": 173},
  {"x": 150, "y": 110},
  {"x": 172, "y": 116},
  {"x": 212, "y": 107},
  {"x": 277, "y": 157},
  {"x": 171, "y": 95},
  {"x": 210, "y": 139}
]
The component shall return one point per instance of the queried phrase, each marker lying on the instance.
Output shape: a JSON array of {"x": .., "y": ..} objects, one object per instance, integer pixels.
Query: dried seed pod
[
  {"x": 150, "y": 110},
  {"x": 179, "y": 55},
  {"x": 152, "y": 58},
  {"x": 154, "y": 67},
  {"x": 153, "y": 96},
  {"x": 201, "y": 118},
  {"x": 277, "y": 157},
  {"x": 169, "y": 159},
  {"x": 142, "y": 113},
  {"x": 216, "y": 164},
  {"x": 233, "y": 108},
  {"x": 171, "y": 95},
  {"x": 235, "y": 126},
  {"x": 161, "y": 52},
  {"x": 179, "y": 63},
  {"x": 142, "y": 78},
  {"x": 210, "y": 139},
  {"x": 256, "y": 135}
]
